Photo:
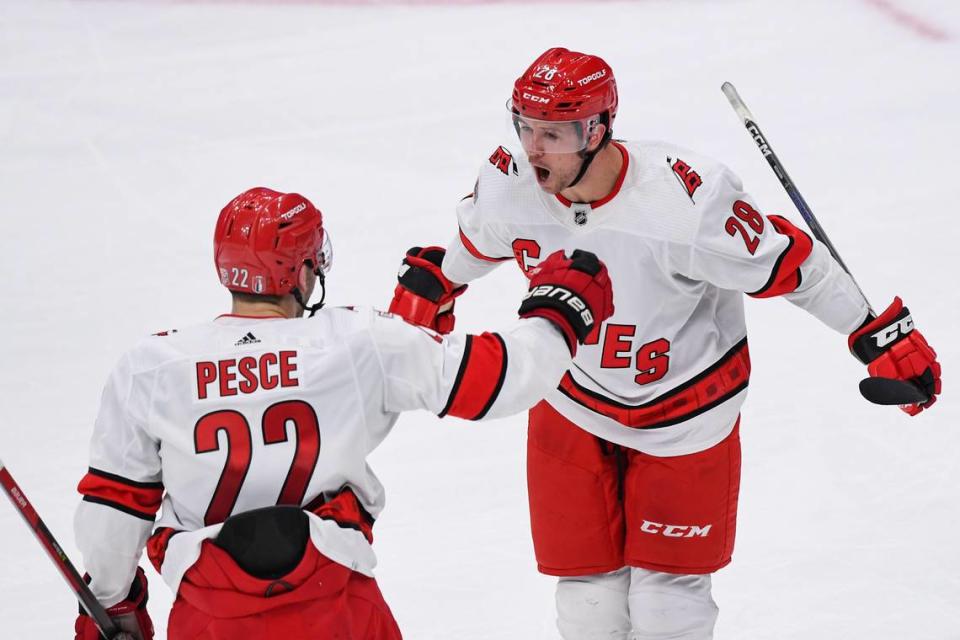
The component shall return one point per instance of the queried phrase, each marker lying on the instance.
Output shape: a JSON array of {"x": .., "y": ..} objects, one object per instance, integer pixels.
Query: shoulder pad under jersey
[
  {"x": 394, "y": 320},
  {"x": 347, "y": 315},
  {"x": 689, "y": 172},
  {"x": 345, "y": 307}
]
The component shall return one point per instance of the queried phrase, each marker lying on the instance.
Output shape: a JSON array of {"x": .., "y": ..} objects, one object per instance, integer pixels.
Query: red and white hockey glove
[
  {"x": 574, "y": 293},
  {"x": 904, "y": 367},
  {"x": 424, "y": 296},
  {"x": 130, "y": 615}
]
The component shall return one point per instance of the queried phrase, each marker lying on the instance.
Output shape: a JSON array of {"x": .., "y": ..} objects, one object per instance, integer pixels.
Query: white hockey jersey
[
  {"x": 243, "y": 413},
  {"x": 668, "y": 372}
]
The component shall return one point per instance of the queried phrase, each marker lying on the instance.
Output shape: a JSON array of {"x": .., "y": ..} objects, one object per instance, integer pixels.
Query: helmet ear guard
[{"x": 321, "y": 275}]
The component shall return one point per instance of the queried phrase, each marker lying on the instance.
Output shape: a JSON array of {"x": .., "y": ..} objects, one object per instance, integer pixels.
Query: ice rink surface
[{"x": 125, "y": 126}]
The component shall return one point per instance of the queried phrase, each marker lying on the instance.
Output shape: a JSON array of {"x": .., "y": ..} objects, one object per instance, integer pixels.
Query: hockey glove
[
  {"x": 574, "y": 293},
  {"x": 130, "y": 615},
  {"x": 424, "y": 296},
  {"x": 903, "y": 366}
]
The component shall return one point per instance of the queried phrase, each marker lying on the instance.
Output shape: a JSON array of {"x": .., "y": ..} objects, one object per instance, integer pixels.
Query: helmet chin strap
[
  {"x": 588, "y": 156},
  {"x": 321, "y": 280}
]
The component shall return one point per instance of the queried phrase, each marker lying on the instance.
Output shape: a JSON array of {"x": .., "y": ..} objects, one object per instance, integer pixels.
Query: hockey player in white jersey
[
  {"x": 249, "y": 434},
  {"x": 634, "y": 460}
]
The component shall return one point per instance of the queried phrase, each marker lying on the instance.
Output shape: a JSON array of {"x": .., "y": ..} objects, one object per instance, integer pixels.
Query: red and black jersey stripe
[
  {"x": 157, "y": 546},
  {"x": 480, "y": 377},
  {"x": 711, "y": 387},
  {"x": 138, "y": 499},
  {"x": 346, "y": 510},
  {"x": 476, "y": 252},
  {"x": 786, "y": 277}
]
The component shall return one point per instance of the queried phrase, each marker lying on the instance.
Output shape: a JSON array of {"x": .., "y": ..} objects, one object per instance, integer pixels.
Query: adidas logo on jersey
[{"x": 247, "y": 339}]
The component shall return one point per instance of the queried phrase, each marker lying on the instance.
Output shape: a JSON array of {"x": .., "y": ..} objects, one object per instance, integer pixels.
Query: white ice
[{"x": 125, "y": 126}]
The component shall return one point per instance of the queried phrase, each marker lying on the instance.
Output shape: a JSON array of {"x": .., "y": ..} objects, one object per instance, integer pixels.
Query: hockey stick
[
  {"x": 87, "y": 600},
  {"x": 876, "y": 390},
  {"x": 737, "y": 103}
]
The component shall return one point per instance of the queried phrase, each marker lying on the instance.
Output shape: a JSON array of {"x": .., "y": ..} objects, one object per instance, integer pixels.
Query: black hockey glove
[{"x": 574, "y": 293}]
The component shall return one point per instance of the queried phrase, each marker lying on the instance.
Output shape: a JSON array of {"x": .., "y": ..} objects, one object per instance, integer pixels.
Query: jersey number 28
[{"x": 743, "y": 211}]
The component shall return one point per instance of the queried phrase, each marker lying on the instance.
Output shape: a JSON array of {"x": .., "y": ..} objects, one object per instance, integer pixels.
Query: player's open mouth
[{"x": 542, "y": 174}]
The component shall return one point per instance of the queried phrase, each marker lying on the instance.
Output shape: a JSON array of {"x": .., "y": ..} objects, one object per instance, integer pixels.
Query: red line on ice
[{"x": 908, "y": 20}]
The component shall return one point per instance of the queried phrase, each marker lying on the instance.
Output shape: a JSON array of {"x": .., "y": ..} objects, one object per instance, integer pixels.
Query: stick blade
[{"x": 888, "y": 391}]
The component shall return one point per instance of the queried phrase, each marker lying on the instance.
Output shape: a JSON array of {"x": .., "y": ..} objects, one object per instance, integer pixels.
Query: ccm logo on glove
[
  {"x": 564, "y": 295},
  {"x": 903, "y": 367},
  {"x": 889, "y": 334}
]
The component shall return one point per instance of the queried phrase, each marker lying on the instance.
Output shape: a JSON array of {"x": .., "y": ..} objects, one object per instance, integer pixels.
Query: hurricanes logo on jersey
[
  {"x": 689, "y": 178},
  {"x": 503, "y": 160}
]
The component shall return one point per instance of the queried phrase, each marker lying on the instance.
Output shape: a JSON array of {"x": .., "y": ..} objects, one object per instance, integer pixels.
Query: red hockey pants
[
  {"x": 596, "y": 507},
  {"x": 318, "y": 600}
]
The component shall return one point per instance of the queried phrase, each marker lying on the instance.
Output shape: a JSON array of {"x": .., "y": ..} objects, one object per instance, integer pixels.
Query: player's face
[
  {"x": 555, "y": 171},
  {"x": 552, "y": 149},
  {"x": 555, "y": 149},
  {"x": 545, "y": 137}
]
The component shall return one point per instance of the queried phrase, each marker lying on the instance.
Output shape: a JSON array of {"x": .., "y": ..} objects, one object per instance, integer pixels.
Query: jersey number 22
[{"x": 240, "y": 449}]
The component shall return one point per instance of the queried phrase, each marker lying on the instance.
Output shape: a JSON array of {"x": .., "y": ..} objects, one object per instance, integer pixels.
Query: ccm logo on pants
[{"x": 675, "y": 530}]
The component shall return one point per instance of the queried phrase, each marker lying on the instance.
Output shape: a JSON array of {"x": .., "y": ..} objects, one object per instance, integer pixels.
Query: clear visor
[
  {"x": 325, "y": 254},
  {"x": 549, "y": 136}
]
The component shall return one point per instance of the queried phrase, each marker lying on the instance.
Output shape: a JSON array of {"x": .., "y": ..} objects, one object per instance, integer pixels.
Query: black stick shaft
[
  {"x": 87, "y": 600},
  {"x": 763, "y": 144}
]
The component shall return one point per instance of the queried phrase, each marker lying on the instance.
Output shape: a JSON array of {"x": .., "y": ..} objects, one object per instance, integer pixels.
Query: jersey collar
[
  {"x": 596, "y": 204},
  {"x": 231, "y": 316}
]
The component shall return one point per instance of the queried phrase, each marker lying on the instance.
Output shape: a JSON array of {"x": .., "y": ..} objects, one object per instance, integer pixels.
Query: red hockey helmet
[
  {"x": 564, "y": 85},
  {"x": 262, "y": 239}
]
